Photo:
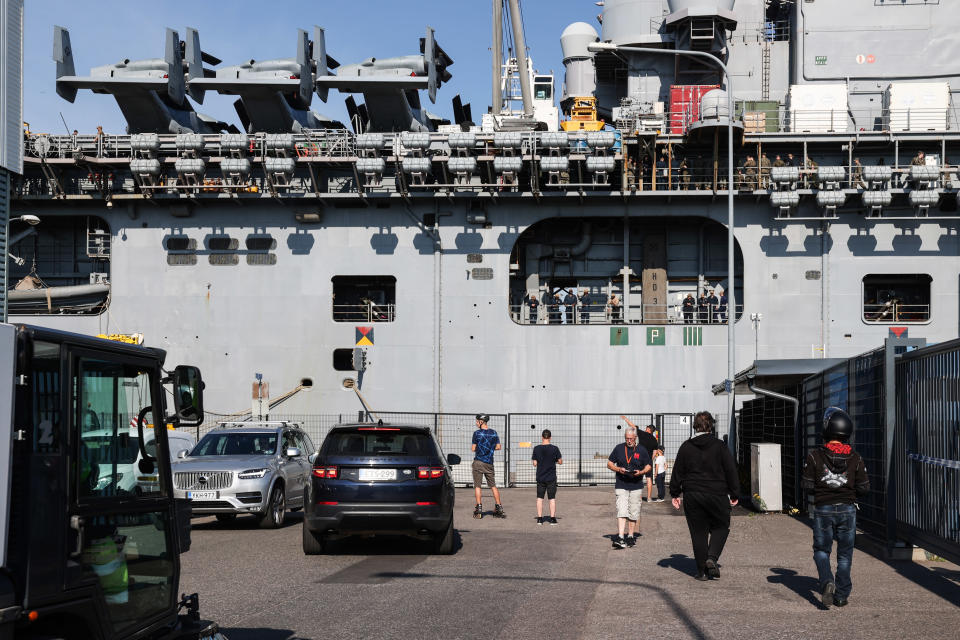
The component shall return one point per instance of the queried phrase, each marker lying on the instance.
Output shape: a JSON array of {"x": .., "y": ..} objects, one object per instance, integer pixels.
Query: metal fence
[
  {"x": 927, "y": 439},
  {"x": 904, "y": 399},
  {"x": 585, "y": 440}
]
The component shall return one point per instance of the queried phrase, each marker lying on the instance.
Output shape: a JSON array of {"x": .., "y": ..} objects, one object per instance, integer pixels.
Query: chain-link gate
[
  {"x": 585, "y": 441},
  {"x": 673, "y": 429}
]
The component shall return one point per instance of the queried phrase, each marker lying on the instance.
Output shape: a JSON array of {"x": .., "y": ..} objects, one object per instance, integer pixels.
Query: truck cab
[{"x": 88, "y": 550}]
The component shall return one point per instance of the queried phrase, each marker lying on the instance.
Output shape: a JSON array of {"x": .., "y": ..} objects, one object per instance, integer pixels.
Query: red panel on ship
[{"x": 685, "y": 104}]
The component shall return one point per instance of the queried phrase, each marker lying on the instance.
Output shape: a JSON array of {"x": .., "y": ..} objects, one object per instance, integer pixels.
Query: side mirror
[
  {"x": 188, "y": 396},
  {"x": 293, "y": 452},
  {"x": 312, "y": 458},
  {"x": 453, "y": 459},
  {"x": 182, "y": 453}
]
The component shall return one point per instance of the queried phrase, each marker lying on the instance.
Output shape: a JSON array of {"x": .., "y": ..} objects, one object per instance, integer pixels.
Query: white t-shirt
[{"x": 660, "y": 464}]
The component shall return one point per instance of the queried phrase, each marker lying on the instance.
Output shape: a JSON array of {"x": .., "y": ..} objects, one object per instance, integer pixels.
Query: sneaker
[
  {"x": 702, "y": 577},
  {"x": 619, "y": 543},
  {"x": 553, "y": 521},
  {"x": 478, "y": 511},
  {"x": 840, "y": 602},
  {"x": 827, "y": 596},
  {"x": 631, "y": 541},
  {"x": 712, "y": 569},
  {"x": 498, "y": 512},
  {"x": 540, "y": 520}
]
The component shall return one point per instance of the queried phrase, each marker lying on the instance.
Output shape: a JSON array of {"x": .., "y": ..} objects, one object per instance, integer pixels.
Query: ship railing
[
  {"x": 895, "y": 311},
  {"x": 605, "y": 314},
  {"x": 364, "y": 312}
]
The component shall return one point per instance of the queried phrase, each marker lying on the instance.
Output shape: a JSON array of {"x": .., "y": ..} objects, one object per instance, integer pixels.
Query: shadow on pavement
[
  {"x": 804, "y": 586},
  {"x": 246, "y": 633},
  {"x": 681, "y": 562},
  {"x": 241, "y": 522},
  {"x": 387, "y": 545},
  {"x": 695, "y": 631}
]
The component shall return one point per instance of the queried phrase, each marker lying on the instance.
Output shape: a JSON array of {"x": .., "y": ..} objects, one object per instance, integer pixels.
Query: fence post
[
  {"x": 506, "y": 450},
  {"x": 580, "y": 450}
]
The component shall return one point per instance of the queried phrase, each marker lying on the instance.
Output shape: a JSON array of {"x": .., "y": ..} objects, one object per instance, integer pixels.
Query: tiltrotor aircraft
[
  {"x": 275, "y": 95},
  {"x": 390, "y": 88},
  {"x": 151, "y": 93}
]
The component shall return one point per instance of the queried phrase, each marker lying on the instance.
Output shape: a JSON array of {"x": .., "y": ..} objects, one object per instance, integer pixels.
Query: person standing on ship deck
[
  {"x": 585, "y": 307},
  {"x": 689, "y": 306},
  {"x": 570, "y": 301},
  {"x": 614, "y": 309},
  {"x": 533, "y": 304},
  {"x": 702, "y": 307}
]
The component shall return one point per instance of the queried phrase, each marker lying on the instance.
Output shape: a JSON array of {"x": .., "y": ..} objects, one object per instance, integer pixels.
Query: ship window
[
  {"x": 543, "y": 91},
  {"x": 896, "y": 298},
  {"x": 364, "y": 298}
]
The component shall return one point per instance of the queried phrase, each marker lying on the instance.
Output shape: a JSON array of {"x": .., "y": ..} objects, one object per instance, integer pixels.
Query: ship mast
[{"x": 497, "y": 103}]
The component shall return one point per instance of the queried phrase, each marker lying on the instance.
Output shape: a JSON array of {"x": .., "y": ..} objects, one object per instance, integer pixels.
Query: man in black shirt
[
  {"x": 630, "y": 461},
  {"x": 534, "y": 305},
  {"x": 570, "y": 302},
  {"x": 689, "y": 305},
  {"x": 545, "y": 458},
  {"x": 585, "y": 309}
]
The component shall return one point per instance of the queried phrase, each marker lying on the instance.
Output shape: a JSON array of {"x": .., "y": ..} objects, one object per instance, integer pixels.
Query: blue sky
[{"x": 242, "y": 29}]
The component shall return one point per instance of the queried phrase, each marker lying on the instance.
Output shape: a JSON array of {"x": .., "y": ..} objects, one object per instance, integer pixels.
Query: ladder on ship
[
  {"x": 765, "y": 73},
  {"x": 98, "y": 241}
]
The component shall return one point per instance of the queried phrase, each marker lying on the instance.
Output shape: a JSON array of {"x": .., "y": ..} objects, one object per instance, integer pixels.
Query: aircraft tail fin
[
  {"x": 176, "y": 86},
  {"x": 437, "y": 62},
  {"x": 242, "y": 114},
  {"x": 63, "y": 56},
  {"x": 193, "y": 57},
  {"x": 319, "y": 52},
  {"x": 462, "y": 114},
  {"x": 305, "y": 91}
]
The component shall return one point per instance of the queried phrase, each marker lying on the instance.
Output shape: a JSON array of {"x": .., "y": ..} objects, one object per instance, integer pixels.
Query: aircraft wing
[
  {"x": 111, "y": 85},
  {"x": 240, "y": 85},
  {"x": 361, "y": 84}
]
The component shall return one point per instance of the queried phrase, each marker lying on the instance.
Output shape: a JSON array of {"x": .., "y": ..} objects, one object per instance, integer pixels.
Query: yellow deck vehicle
[{"x": 583, "y": 116}]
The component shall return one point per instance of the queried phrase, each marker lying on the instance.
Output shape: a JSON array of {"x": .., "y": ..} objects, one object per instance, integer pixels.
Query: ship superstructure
[{"x": 459, "y": 247}]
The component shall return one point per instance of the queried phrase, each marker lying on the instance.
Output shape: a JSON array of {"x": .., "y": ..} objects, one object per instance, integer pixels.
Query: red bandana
[{"x": 838, "y": 447}]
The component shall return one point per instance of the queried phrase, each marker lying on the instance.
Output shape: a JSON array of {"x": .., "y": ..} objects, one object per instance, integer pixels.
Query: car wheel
[
  {"x": 226, "y": 517},
  {"x": 272, "y": 516},
  {"x": 443, "y": 542},
  {"x": 313, "y": 541}
]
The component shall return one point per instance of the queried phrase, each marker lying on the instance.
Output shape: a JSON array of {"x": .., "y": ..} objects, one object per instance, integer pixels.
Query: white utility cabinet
[
  {"x": 766, "y": 478},
  {"x": 818, "y": 108},
  {"x": 918, "y": 106}
]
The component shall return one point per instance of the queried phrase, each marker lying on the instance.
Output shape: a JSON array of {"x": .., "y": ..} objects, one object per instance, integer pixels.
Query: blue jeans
[{"x": 834, "y": 522}]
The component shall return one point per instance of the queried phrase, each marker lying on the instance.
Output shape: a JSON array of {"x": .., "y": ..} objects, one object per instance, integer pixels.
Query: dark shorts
[{"x": 548, "y": 488}]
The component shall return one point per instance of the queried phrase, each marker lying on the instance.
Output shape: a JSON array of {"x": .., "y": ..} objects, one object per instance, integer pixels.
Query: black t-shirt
[
  {"x": 648, "y": 441},
  {"x": 546, "y": 456},
  {"x": 630, "y": 458}
]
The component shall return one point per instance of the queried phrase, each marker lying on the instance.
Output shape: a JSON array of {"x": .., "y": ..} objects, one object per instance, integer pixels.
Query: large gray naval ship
[{"x": 280, "y": 246}]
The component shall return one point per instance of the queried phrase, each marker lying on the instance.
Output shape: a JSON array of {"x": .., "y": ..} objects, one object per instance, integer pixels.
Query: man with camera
[{"x": 630, "y": 462}]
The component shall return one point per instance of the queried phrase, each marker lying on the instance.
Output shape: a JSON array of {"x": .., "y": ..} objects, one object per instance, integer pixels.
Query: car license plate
[
  {"x": 378, "y": 474},
  {"x": 201, "y": 495}
]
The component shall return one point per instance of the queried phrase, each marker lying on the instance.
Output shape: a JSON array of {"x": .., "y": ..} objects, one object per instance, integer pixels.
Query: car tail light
[
  {"x": 325, "y": 472},
  {"x": 426, "y": 504},
  {"x": 327, "y": 503},
  {"x": 427, "y": 473}
]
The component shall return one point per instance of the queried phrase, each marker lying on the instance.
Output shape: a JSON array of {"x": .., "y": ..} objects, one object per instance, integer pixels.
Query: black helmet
[
  {"x": 837, "y": 425},
  {"x": 482, "y": 417}
]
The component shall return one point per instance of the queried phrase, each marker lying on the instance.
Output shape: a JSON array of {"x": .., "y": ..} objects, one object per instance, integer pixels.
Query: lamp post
[
  {"x": 731, "y": 266},
  {"x": 756, "y": 318},
  {"x": 31, "y": 220}
]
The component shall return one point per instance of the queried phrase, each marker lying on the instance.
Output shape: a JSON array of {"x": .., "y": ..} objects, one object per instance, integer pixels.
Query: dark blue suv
[{"x": 379, "y": 479}]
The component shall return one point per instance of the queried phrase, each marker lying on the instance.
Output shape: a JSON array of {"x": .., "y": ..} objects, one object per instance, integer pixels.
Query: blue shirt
[{"x": 486, "y": 441}]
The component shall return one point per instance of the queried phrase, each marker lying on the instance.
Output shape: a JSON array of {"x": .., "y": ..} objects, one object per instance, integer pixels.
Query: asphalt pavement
[{"x": 513, "y": 579}]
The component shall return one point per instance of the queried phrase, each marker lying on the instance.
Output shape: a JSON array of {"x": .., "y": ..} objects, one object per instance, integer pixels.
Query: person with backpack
[{"x": 836, "y": 476}]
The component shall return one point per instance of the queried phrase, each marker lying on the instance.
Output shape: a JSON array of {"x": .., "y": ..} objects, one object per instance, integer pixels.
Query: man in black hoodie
[
  {"x": 836, "y": 475},
  {"x": 705, "y": 481}
]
